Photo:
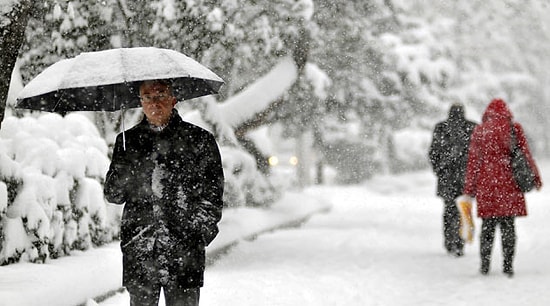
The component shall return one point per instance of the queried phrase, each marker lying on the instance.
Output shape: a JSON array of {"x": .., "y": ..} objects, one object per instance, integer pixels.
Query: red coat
[{"x": 488, "y": 173}]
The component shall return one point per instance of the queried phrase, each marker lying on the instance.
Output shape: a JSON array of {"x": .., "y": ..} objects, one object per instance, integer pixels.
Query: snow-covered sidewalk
[
  {"x": 75, "y": 279},
  {"x": 381, "y": 244}
]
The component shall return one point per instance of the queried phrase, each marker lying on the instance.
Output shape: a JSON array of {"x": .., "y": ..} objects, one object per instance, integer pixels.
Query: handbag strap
[{"x": 513, "y": 139}]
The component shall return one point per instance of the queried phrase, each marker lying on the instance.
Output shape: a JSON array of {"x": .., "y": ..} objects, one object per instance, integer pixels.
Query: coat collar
[{"x": 174, "y": 120}]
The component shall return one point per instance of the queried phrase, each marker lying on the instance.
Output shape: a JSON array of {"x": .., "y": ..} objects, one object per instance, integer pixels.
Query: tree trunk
[
  {"x": 12, "y": 29},
  {"x": 303, "y": 152}
]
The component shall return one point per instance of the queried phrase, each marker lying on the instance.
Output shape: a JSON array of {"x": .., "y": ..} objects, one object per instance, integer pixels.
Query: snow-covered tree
[{"x": 397, "y": 64}]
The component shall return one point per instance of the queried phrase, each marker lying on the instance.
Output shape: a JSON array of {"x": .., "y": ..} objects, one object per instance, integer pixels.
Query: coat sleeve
[
  {"x": 210, "y": 209},
  {"x": 524, "y": 146},
  {"x": 473, "y": 165},
  {"x": 434, "y": 153},
  {"x": 116, "y": 179}
]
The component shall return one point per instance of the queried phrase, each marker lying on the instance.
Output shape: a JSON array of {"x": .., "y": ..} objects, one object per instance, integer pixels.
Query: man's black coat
[
  {"x": 449, "y": 152},
  {"x": 172, "y": 185}
]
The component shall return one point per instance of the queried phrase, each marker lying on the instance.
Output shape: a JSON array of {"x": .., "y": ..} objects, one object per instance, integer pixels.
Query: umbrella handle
[{"x": 123, "y": 129}]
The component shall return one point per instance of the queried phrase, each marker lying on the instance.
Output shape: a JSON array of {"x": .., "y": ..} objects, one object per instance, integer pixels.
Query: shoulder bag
[{"x": 523, "y": 174}]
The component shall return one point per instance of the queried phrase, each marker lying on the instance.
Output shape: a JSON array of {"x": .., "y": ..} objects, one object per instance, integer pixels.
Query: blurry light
[
  {"x": 293, "y": 160},
  {"x": 273, "y": 161}
]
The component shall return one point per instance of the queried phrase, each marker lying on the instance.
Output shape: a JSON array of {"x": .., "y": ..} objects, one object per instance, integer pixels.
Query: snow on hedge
[{"x": 51, "y": 196}]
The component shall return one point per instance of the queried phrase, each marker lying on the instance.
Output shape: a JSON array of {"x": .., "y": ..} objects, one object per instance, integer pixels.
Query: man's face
[{"x": 157, "y": 102}]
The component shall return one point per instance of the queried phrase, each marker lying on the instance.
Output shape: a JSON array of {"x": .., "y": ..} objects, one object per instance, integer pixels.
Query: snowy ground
[{"x": 379, "y": 245}]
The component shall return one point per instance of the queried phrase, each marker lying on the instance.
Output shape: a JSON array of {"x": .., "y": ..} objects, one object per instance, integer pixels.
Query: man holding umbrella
[{"x": 168, "y": 173}]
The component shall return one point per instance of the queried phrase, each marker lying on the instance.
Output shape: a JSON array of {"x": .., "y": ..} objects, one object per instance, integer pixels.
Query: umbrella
[{"x": 109, "y": 80}]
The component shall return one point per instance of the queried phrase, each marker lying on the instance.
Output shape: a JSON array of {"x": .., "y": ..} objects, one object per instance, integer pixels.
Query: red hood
[{"x": 497, "y": 109}]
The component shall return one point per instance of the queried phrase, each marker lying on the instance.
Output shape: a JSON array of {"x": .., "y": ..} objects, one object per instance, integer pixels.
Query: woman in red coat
[{"x": 489, "y": 179}]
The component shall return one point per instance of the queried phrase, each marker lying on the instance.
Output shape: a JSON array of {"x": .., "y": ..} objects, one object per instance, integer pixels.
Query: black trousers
[
  {"x": 508, "y": 235},
  {"x": 146, "y": 292},
  {"x": 142, "y": 296},
  {"x": 145, "y": 273},
  {"x": 451, "y": 226}
]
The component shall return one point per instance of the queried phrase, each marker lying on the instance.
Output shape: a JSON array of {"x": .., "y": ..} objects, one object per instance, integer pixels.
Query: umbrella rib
[
  {"x": 62, "y": 84},
  {"x": 58, "y": 101}
]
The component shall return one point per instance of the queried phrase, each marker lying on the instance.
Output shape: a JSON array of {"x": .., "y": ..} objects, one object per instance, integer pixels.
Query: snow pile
[{"x": 51, "y": 174}]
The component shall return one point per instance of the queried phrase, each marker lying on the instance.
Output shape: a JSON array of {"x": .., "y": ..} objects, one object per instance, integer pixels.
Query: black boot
[
  {"x": 485, "y": 265},
  {"x": 487, "y": 237},
  {"x": 508, "y": 245},
  {"x": 507, "y": 269}
]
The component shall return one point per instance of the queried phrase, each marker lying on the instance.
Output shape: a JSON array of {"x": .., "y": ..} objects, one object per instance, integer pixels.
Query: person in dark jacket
[
  {"x": 168, "y": 173},
  {"x": 490, "y": 181},
  {"x": 448, "y": 156}
]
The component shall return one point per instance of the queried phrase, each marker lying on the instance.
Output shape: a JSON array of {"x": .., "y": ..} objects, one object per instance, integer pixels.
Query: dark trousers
[
  {"x": 143, "y": 277},
  {"x": 148, "y": 294},
  {"x": 451, "y": 226},
  {"x": 508, "y": 235}
]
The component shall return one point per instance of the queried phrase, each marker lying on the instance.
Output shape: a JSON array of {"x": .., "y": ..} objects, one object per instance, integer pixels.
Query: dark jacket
[
  {"x": 449, "y": 152},
  {"x": 489, "y": 175},
  {"x": 172, "y": 183}
]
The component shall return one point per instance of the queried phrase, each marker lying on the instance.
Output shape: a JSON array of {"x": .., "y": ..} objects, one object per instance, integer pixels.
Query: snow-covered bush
[
  {"x": 51, "y": 199},
  {"x": 245, "y": 185}
]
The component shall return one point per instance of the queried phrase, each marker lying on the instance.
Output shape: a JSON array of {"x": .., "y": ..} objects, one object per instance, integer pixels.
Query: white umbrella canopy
[{"x": 109, "y": 80}]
